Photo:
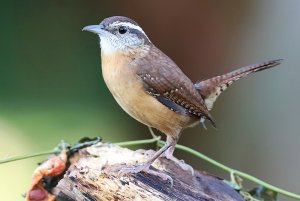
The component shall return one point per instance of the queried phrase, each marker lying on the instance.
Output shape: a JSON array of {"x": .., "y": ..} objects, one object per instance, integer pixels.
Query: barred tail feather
[{"x": 211, "y": 88}]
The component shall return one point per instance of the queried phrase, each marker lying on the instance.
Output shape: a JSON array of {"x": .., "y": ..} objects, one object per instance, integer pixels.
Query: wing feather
[{"x": 170, "y": 86}]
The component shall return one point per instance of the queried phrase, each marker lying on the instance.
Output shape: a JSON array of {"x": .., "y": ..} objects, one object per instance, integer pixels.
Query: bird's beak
[{"x": 97, "y": 29}]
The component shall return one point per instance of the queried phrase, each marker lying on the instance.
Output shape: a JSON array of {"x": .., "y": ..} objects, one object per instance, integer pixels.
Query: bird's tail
[{"x": 211, "y": 88}]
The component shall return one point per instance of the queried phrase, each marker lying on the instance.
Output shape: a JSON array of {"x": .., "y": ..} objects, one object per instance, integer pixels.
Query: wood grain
[{"x": 86, "y": 180}]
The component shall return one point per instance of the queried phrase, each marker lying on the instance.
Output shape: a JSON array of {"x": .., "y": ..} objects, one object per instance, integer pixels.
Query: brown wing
[{"x": 169, "y": 85}]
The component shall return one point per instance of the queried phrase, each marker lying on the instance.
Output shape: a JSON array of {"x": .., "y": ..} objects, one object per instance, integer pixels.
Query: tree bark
[{"x": 86, "y": 180}]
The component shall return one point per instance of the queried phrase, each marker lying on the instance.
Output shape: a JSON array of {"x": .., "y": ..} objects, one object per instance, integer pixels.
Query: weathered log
[{"x": 85, "y": 179}]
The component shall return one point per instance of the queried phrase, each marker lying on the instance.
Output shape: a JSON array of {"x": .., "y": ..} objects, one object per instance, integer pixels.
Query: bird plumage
[
  {"x": 166, "y": 82},
  {"x": 151, "y": 88}
]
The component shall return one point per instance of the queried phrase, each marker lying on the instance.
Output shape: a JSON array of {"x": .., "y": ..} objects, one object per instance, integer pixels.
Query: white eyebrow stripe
[{"x": 130, "y": 25}]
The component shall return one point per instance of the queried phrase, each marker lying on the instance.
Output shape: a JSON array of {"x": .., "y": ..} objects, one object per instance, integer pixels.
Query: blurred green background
[{"x": 51, "y": 86}]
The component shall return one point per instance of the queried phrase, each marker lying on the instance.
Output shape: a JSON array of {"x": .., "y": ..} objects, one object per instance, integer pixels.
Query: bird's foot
[
  {"x": 178, "y": 162},
  {"x": 123, "y": 170}
]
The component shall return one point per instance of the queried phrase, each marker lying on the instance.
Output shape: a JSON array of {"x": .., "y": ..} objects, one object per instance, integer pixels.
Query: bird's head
[{"x": 119, "y": 33}]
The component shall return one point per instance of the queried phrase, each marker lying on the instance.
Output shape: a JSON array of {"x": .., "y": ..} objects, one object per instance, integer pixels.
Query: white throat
[{"x": 106, "y": 45}]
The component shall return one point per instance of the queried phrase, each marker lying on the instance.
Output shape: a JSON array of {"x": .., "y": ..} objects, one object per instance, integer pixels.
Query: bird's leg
[
  {"x": 169, "y": 154},
  {"x": 142, "y": 167}
]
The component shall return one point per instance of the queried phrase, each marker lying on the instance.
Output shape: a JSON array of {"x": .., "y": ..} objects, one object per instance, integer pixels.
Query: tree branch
[{"x": 85, "y": 179}]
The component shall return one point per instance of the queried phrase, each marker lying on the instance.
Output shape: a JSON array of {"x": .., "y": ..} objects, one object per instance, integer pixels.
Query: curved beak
[{"x": 97, "y": 29}]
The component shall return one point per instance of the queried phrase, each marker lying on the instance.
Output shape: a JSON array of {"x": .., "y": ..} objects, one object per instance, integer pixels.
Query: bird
[{"x": 152, "y": 89}]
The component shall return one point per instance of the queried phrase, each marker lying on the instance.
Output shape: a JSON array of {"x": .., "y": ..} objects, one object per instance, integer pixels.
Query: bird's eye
[{"x": 122, "y": 29}]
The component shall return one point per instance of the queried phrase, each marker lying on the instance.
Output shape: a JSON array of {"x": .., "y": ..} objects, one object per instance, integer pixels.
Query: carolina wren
[{"x": 152, "y": 89}]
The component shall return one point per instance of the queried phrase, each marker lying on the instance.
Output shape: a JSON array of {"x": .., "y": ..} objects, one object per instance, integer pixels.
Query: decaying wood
[{"x": 86, "y": 180}]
